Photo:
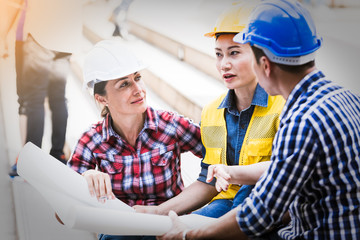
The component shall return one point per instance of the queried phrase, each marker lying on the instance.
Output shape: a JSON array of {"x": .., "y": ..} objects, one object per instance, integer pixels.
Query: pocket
[
  {"x": 163, "y": 159},
  {"x": 213, "y": 156},
  {"x": 110, "y": 166},
  {"x": 258, "y": 150}
]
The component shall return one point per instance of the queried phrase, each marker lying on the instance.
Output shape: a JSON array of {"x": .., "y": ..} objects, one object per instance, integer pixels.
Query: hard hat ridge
[
  {"x": 108, "y": 60},
  {"x": 284, "y": 30},
  {"x": 234, "y": 19}
]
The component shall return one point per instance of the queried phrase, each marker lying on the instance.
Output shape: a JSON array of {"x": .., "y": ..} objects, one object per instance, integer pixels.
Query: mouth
[
  {"x": 228, "y": 76},
  {"x": 137, "y": 101}
]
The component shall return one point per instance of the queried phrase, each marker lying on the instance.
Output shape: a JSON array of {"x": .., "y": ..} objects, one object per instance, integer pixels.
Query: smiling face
[
  {"x": 125, "y": 96},
  {"x": 234, "y": 62}
]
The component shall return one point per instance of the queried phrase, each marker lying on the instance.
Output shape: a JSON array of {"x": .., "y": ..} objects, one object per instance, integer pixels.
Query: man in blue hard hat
[{"x": 315, "y": 169}]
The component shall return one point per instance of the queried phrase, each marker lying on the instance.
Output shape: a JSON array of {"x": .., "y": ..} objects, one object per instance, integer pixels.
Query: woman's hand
[
  {"x": 222, "y": 174},
  {"x": 99, "y": 185}
]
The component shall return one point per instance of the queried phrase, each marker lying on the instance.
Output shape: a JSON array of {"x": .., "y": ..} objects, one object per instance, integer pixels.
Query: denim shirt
[{"x": 236, "y": 126}]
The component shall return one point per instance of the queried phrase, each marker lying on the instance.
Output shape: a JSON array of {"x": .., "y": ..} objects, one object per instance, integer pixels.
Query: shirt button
[{"x": 242, "y": 126}]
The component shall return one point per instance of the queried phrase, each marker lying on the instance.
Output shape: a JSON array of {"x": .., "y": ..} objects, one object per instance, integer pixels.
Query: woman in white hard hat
[
  {"x": 133, "y": 154},
  {"x": 237, "y": 128}
]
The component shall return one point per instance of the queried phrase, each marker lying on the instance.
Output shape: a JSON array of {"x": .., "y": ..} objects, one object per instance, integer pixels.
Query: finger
[
  {"x": 102, "y": 189},
  {"x": 96, "y": 187},
  {"x": 173, "y": 215},
  {"x": 108, "y": 187},
  {"x": 90, "y": 184},
  {"x": 211, "y": 173},
  {"x": 222, "y": 184},
  {"x": 112, "y": 196},
  {"x": 223, "y": 173}
]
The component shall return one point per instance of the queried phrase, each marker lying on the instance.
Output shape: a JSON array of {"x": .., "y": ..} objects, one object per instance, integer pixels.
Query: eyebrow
[
  {"x": 124, "y": 78},
  {"x": 229, "y": 48}
]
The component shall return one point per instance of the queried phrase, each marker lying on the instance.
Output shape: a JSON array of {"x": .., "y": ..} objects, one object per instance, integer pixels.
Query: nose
[
  {"x": 225, "y": 64},
  {"x": 138, "y": 87}
]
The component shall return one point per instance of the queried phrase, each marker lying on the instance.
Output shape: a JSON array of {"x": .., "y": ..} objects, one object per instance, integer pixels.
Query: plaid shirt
[
  {"x": 315, "y": 170},
  {"x": 148, "y": 174}
]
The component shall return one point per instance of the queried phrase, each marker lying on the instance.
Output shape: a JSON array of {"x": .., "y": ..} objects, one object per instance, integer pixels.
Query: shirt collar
[
  {"x": 151, "y": 122},
  {"x": 260, "y": 98},
  {"x": 301, "y": 88}
]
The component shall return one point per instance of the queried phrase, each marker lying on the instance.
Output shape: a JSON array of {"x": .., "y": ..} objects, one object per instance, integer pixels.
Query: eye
[
  {"x": 124, "y": 84},
  {"x": 138, "y": 78},
  {"x": 218, "y": 54},
  {"x": 234, "y": 52}
]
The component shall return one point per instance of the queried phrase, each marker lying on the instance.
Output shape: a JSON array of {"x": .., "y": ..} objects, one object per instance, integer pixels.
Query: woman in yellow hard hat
[{"x": 237, "y": 128}]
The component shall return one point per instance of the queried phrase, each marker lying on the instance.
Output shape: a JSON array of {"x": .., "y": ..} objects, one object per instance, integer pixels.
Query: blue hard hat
[{"x": 284, "y": 30}]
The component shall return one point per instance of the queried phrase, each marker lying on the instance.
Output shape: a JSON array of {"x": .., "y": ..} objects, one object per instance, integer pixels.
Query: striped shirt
[
  {"x": 148, "y": 174},
  {"x": 315, "y": 170}
]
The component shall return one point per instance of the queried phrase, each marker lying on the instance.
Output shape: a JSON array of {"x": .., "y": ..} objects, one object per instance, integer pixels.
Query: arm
[
  {"x": 189, "y": 136},
  {"x": 225, "y": 227},
  {"x": 9, "y": 11},
  {"x": 226, "y": 175},
  {"x": 83, "y": 162},
  {"x": 193, "y": 197}
]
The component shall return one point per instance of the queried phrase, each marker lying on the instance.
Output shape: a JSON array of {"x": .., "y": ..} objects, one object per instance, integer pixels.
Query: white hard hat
[{"x": 108, "y": 60}]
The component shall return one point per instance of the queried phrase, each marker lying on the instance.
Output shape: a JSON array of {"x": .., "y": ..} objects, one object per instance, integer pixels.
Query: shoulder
[
  {"x": 92, "y": 133},
  {"x": 214, "y": 104}
]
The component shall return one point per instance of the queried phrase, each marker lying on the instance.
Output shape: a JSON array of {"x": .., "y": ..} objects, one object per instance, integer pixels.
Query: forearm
[
  {"x": 248, "y": 174},
  {"x": 9, "y": 11},
  {"x": 225, "y": 227},
  {"x": 193, "y": 197}
]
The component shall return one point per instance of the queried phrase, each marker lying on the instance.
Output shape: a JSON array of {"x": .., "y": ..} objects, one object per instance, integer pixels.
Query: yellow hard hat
[{"x": 234, "y": 19}]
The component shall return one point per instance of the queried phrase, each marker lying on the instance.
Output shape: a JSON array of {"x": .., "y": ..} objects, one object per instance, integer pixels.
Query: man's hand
[
  {"x": 99, "y": 185},
  {"x": 177, "y": 229}
]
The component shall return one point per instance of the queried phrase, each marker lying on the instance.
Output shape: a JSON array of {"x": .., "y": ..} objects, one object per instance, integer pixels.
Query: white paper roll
[{"x": 68, "y": 194}]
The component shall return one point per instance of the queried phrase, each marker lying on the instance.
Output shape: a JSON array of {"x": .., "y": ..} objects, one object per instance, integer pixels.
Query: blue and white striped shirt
[{"x": 315, "y": 170}]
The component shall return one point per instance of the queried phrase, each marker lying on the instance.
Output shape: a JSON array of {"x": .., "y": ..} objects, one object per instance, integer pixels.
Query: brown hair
[{"x": 99, "y": 88}]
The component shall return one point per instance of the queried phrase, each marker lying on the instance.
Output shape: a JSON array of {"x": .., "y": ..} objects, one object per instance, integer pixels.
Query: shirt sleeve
[
  {"x": 189, "y": 136},
  {"x": 203, "y": 174},
  {"x": 82, "y": 158},
  {"x": 294, "y": 152}
]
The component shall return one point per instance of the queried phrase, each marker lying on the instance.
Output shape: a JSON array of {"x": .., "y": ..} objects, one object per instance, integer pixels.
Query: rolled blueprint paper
[
  {"x": 68, "y": 194},
  {"x": 61, "y": 186},
  {"x": 115, "y": 222}
]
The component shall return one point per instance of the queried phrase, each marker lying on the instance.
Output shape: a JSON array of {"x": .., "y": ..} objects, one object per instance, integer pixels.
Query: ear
[
  {"x": 266, "y": 65},
  {"x": 101, "y": 99}
]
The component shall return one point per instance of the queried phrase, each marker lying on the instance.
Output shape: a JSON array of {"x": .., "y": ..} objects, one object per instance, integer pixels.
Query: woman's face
[
  {"x": 234, "y": 62},
  {"x": 126, "y": 95}
]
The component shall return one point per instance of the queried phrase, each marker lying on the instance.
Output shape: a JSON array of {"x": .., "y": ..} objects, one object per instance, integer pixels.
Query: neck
[
  {"x": 244, "y": 96},
  {"x": 290, "y": 81},
  {"x": 129, "y": 126}
]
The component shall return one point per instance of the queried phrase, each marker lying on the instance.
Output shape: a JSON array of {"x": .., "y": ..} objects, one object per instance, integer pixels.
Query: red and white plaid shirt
[{"x": 148, "y": 174}]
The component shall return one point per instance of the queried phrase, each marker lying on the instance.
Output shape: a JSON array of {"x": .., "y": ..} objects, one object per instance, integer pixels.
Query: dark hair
[
  {"x": 217, "y": 35},
  {"x": 287, "y": 68},
  {"x": 99, "y": 88}
]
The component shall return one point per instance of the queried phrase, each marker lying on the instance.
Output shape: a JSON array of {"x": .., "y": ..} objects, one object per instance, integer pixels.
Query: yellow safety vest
[{"x": 258, "y": 138}]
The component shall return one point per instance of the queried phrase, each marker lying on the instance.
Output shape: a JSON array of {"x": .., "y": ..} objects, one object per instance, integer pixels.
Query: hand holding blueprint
[{"x": 67, "y": 193}]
